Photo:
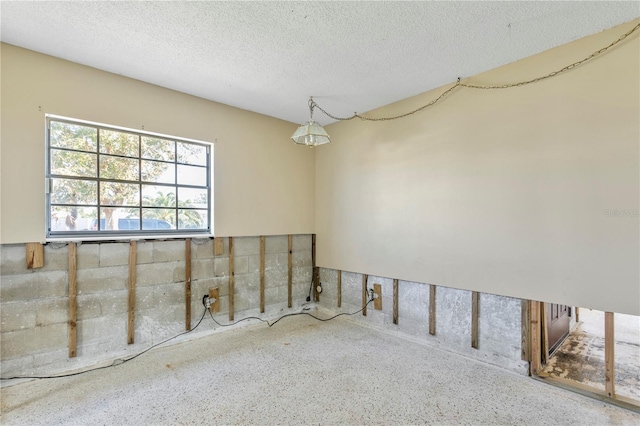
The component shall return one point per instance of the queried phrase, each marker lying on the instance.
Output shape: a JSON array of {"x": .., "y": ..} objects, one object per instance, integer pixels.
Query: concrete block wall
[
  {"x": 499, "y": 316},
  {"x": 34, "y": 302}
]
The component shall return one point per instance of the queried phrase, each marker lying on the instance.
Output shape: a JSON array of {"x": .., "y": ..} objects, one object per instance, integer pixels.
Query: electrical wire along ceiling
[{"x": 270, "y": 57}]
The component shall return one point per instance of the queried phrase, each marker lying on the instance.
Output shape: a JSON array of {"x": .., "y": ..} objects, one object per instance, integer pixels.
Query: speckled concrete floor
[{"x": 302, "y": 372}]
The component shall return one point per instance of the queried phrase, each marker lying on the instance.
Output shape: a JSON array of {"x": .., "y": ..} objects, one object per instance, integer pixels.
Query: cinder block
[
  {"x": 241, "y": 302},
  {"x": 52, "y": 311},
  {"x": 329, "y": 276},
  {"x": 102, "y": 279},
  {"x": 88, "y": 256},
  {"x": 170, "y": 294},
  {"x": 90, "y": 305},
  {"x": 114, "y": 254},
  {"x": 19, "y": 287},
  {"x": 223, "y": 285},
  {"x": 247, "y": 283},
  {"x": 302, "y": 274},
  {"x": 283, "y": 260},
  {"x": 17, "y": 344},
  {"x": 271, "y": 296},
  {"x": 275, "y": 278},
  {"x": 202, "y": 269},
  {"x": 17, "y": 316},
  {"x": 302, "y": 242},
  {"x": 167, "y": 251},
  {"x": 56, "y": 258},
  {"x": 300, "y": 290},
  {"x": 114, "y": 302},
  {"x": 276, "y": 244},
  {"x": 221, "y": 266},
  {"x": 157, "y": 273},
  {"x": 453, "y": 317},
  {"x": 270, "y": 262},
  {"x": 301, "y": 258},
  {"x": 241, "y": 265},
  {"x": 53, "y": 336},
  {"x": 102, "y": 329},
  {"x": 145, "y": 298},
  {"x": 245, "y": 246},
  {"x": 204, "y": 248},
  {"x": 13, "y": 259},
  {"x": 144, "y": 252},
  {"x": 180, "y": 272},
  {"x": 53, "y": 284}
]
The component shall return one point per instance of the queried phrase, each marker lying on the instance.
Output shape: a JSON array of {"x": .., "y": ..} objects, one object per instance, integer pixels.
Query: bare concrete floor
[
  {"x": 580, "y": 358},
  {"x": 302, "y": 372}
]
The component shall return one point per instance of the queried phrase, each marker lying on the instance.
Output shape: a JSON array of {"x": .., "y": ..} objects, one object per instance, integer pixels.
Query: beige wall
[
  {"x": 263, "y": 183},
  {"x": 508, "y": 192}
]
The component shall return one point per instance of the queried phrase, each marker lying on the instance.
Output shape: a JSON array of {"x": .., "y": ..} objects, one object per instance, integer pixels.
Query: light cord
[{"x": 459, "y": 83}]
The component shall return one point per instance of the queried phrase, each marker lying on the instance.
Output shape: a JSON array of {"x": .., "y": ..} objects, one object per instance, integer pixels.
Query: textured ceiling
[{"x": 269, "y": 57}]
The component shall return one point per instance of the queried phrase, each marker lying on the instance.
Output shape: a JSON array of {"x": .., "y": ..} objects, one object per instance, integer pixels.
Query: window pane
[
  {"x": 155, "y": 171},
  {"x": 118, "y": 168},
  {"x": 73, "y": 163},
  {"x": 158, "y": 149},
  {"x": 64, "y": 218},
  {"x": 119, "y": 194},
  {"x": 65, "y": 135},
  {"x": 192, "y": 219},
  {"x": 119, "y": 143},
  {"x": 192, "y": 154},
  {"x": 74, "y": 191},
  {"x": 158, "y": 196},
  {"x": 192, "y": 197},
  {"x": 158, "y": 219},
  {"x": 192, "y": 175},
  {"x": 117, "y": 219}
]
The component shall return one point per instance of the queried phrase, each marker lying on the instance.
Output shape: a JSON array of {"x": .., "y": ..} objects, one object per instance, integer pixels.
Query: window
[{"x": 111, "y": 181}]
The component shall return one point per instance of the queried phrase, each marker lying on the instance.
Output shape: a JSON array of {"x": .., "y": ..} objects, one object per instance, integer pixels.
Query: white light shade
[{"x": 311, "y": 134}]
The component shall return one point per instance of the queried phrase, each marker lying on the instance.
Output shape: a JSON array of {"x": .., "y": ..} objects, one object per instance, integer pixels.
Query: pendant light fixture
[{"x": 311, "y": 133}]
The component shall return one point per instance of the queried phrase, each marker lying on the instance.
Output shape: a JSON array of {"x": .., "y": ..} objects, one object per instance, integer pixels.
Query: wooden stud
[
  {"x": 609, "y": 355},
  {"x": 544, "y": 333},
  {"x": 395, "y": 301},
  {"x": 35, "y": 255},
  {"x": 339, "y": 288},
  {"x": 365, "y": 297},
  {"x": 73, "y": 293},
  {"x": 290, "y": 273},
  {"x": 262, "y": 274},
  {"x": 432, "y": 309},
  {"x": 232, "y": 280},
  {"x": 218, "y": 246},
  {"x": 577, "y": 314},
  {"x": 187, "y": 284},
  {"x": 525, "y": 354},
  {"x": 475, "y": 302},
  {"x": 377, "y": 301},
  {"x": 214, "y": 293},
  {"x": 534, "y": 334},
  {"x": 132, "y": 291},
  {"x": 314, "y": 279}
]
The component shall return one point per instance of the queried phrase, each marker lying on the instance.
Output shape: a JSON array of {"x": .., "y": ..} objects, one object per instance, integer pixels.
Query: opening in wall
[{"x": 107, "y": 181}]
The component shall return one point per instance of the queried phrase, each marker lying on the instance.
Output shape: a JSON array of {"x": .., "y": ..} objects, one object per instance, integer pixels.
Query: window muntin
[{"x": 110, "y": 181}]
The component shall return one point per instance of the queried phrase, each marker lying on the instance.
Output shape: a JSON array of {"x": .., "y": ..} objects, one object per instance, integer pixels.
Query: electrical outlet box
[
  {"x": 377, "y": 301},
  {"x": 215, "y": 300}
]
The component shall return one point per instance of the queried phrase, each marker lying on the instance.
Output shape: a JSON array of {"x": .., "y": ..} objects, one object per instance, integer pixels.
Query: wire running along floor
[{"x": 299, "y": 372}]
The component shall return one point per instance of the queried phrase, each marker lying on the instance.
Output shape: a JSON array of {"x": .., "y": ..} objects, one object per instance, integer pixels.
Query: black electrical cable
[
  {"x": 115, "y": 363},
  {"x": 271, "y": 324}
]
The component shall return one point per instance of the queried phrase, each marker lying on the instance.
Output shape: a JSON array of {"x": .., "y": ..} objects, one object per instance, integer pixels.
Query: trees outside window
[{"x": 99, "y": 176}]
